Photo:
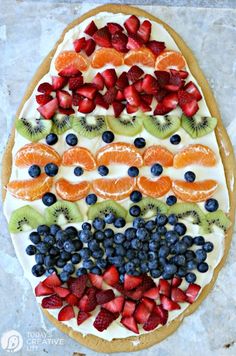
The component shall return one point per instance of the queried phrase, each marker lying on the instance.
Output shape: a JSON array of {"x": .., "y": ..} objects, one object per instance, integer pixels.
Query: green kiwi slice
[
  {"x": 106, "y": 207},
  {"x": 62, "y": 212},
  {"x": 89, "y": 126},
  {"x": 219, "y": 219},
  {"x": 161, "y": 126},
  {"x": 60, "y": 123},
  {"x": 198, "y": 126},
  {"x": 125, "y": 125},
  {"x": 150, "y": 207},
  {"x": 33, "y": 129},
  {"x": 189, "y": 211},
  {"x": 24, "y": 219}
]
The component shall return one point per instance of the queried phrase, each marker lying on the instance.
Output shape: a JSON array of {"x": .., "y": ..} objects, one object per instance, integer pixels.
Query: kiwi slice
[
  {"x": 125, "y": 125},
  {"x": 60, "y": 123},
  {"x": 189, "y": 210},
  {"x": 219, "y": 219},
  {"x": 33, "y": 129},
  {"x": 24, "y": 219},
  {"x": 198, "y": 126},
  {"x": 106, "y": 207},
  {"x": 89, "y": 126},
  {"x": 62, "y": 212},
  {"x": 149, "y": 207},
  {"x": 161, "y": 126}
]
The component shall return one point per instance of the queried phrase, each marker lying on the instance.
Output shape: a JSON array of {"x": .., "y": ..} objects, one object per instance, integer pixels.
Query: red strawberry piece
[
  {"x": 192, "y": 292},
  {"x": 95, "y": 280},
  {"x": 110, "y": 77},
  {"x": 147, "y": 283},
  {"x": 153, "y": 321},
  {"x": 176, "y": 281},
  {"x": 130, "y": 323},
  {"x": 164, "y": 287},
  {"x": 77, "y": 286},
  {"x": 131, "y": 108},
  {"x": 103, "y": 319},
  {"x": 141, "y": 313},
  {"x": 88, "y": 302},
  {"x": 91, "y": 29},
  {"x": 162, "y": 313},
  {"x": 134, "y": 73},
  {"x": 132, "y": 24},
  {"x": 45, "y": 88},
  {"x": 82, "y": 316},
  {"x": 61, "y": 291},
  {"x": 150, "y": 85},
  {"x": 182, "y": 73},
  {"x": 115, "y": 305},
  {"x": 144, "y": 31},
  {"x": 43, "y": 99},
  {"x": 147, "y": 98},
  {"x": 190, "y": 108},
  {"x": 120, "y": 95},
  {"x": 117, "y": 108},
  {"x": 70, "y": 71},
  {"x": 152, "y": 293},
  {"x": 161, "y": 94},
  {"x": 149, "y": 303},
  {"x": 177, "y": 295},
  {"x": 135, "y": 294},
  {"x": 156, "y": 47},
  {"x": 98, "y": 81},
  {"x": 41, "y": 289},
  {"x": 139, "y": 85},
  {"x": 66, "y": 313},
  {"x": 52, "y": 281},
  {"x": 89, "y": 47},
  {"x": 122, "y": 81},
  {"x": 76, "y": 82},
  {"x": 170, "y": 101},
  {"x": 64, "y": 99},
  {"x": 99, "y": 100},
  {"x": 114, "y": 27},
  {"x": 111, "y": 276},
  {"x": 76, "y": 99},
  {"x": 129, "y": 308},
  {"x": 144, "y": 107},
  {"x": 104, "y": 296},
  {"x": 169, "y": 304},
  {"x": 161, "y": 109},
  {"x": 87, "y": 90},
  {"x": 70, "y": 281},
  {"x": 192, "y": 89},
  {"x": 131, "y": 282},
  {"x": 102, "y": 37},
  {"x": 163, "y": 78},
  {"x": 71, "y": 299},
  {"x": 110, "y": 95},
  {"x": 132, "y": 95},
  {"x": 184, "y": 98},
  {"x": 120, "y": 287},
  {"x": 119, "y": 41},
  {"x": 52, "y": 302},
  {"x": 86, "y": 106},
  {"x": 134, "y": 42},
  {"x": 175, "y": 83},
  {"x": 79, "y": 44},
  {"x": 58, "y": 82}
]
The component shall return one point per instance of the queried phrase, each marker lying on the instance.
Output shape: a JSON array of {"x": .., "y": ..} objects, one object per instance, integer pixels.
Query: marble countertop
[{"x": 28, "y": 30}]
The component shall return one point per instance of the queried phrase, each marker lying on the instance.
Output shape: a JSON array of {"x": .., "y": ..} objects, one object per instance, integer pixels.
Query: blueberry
[
  {"x": 161, "y": 219},
  {"x": 119, "y": 222},
  {"x": 172, "y": 219},
  {"x": 144, "y": 267},
  {"x": 181, "y": 272},
  {"x": 85, "y": 253},
  {"x": 152, "y": 256},
  {"x": 60, "y": 244},
  {"x": 191, "y": 265},
  {"x": 85, "y": 236},
  {"x": 135, "y": 210},
  {"x": 155, "y": 236},
  {"x": 51, "y": 169},
  {"x": 172, "y": 237},
  {"x": 139, "y": 142},
  {"x": 142, "y": 255},
  {"x": 86, "y": 226},
  {"x": 98, "y": 253},
  {"x": 43, "y": 230},
  {"x": 49, "y": 199},
  {"x": 78, "y": 171},
  {"x": 153, "y": 264},
  {"x": 81, "y": 272},
  {"x": 119, "y": 238},
  {"x": 51, "y": 139},
  {"x": 161, "y": 230},
  {"x": 136, "y": 244},
  {"x": 131, "y": 254},
  {"x": 138, "y": 222},
  {"x": 117, "y": 261},
  {"x": 54, "y": 251},
  {"x": 71, "y": 232},
  {"x": 155, "y": 273},
  {"x": 103, "y": 171},
  {"x": 180, "y": 247},
  {"x": 71, "y": 139},
  {"x": 136, "y": 196},
  {"x": 54, "y": 228},
  {"x": 171, "y": 200},
  {"x": 126, "y": 244},
  {"x": 65, "y": 255},
  {"x": 109, "y": 218},
  {"x": 211, "y": 205},
  {"x": 180, "y": 228},
  {"x": 30, "y": 250},
  {"x": 49, "y": 261},
  {"x": 43, "y": 247},
  {"x": 78, "y": 245},
  {"x": 64, "y": 276},
  {"x": 129, "y": 267},
  {"x": 201, "y": 255},
  {"x": 188, "y": 240},
  {"x": 99, "y": 235},
  {"x": 175, "y": 139},
  {"x": 153, "y": 246},
  {"x": 156, "y": 169},
  {"x": 60, "y": 263},
  {"x": 88, "y": 264},
  {"x": 133, "y": 171},
  {"x": 38, "y": 270},
  {"x": 166, "y": 275},
  {"x": 93, "y": 245},
  {"x": 120, "y": 250},
  {"x": 50, "y": 239},
  {"x": 108, "y": 242},
  {"x": 199, "y": 240},
  {"x": 190, "y": 255},
  {"x": 61, "y": 235},
  {"x": 208, "y": 246},
  {"x": 34, "y": 237},
  {"x": 190, "y": 277},
  {"x": 69, "y": 268},
  {"x": 136, "y": 262},
  {"x": 142, "y": 234},
  {"x": 39, "y": 258},
  {"x": 180, "y": 260},
  {"x": 50, "y": 271},
  {"x": 150, "y": 225},
  {"x": 163, "y": 251},
  {"x": 108, "y": 233},
  {"x": 190, "y": 176},
  {"x": 108, "y": 136},
  {"x": 34, "y": 171},
  {"x": 109, "y": 251},
  {"x": 96, "y": 270},
  {"x": 101, "y": 263},
  {"x": 69, "y": 246},
  {"x": 98, "y": 224},
  {"x": 203, "y": 267},
  {"x": 130, "y": 233}
]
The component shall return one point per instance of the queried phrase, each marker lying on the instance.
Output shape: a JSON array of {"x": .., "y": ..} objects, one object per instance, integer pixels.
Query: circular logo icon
[{"x": 11, "y": 341}]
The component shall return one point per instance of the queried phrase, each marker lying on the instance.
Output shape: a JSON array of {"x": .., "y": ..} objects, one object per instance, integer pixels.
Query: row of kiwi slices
[
  {"x": 63, "y": 212},
  {"x": 92, "y": 126}
]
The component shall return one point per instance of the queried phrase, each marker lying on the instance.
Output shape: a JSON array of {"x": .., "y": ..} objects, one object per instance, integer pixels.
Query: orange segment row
[
  {"x": 158, "y": 154},
  {"x": 196, "y": 191},
  {"x": 79, "y": 156},
  {"x": 72, "y": 191},
  {"x": 195, "y": 154},
  {"x": 36, "y": 153}
]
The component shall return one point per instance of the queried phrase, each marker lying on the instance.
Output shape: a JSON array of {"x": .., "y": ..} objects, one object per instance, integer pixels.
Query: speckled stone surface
[{"x": 28, "y": 30}]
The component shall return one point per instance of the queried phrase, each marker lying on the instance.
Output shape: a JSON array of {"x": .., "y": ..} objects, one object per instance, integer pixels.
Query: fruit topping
[
  {"x": 103, "y": 319},
  {"x": 157, "y": 153},
  {"x": 154, "y": 188},
  {"x": 132, "y": 24},
  {"x": 89, "y": 47},
  {"x": 52, "y": 302},
  {"x": 192, "y": 89},
  {"x": 66, "y": 313},
  {"x": 161, "y": 126},
  {"x": 115, "y": 305},
  {"x": 70, "y": 63},
  {"x": 102, "y": 37},
  {"x": 144, "y": 31},
  {"x": 196, "y": 191},
  {"x": 82, "y": 316},
  {"x": 104, "y": 56},
  {"x": 119, "y": 42},
  {"x": 48, "y": 110},
  {"x": 105, "y": 296},
  {"x": 156, "y": 47},
  {"x": 79, "y": 44},
  {"x": 198, "y": 126},
  {"x": 59, "y": 82},
  {"x": 113, "y": 188},
  {"x": 187, "y": 103},
  {"x": 111, "y": 276},
  {"x": 143, "y": 56},
  {"x": 130, "y": 323},
  {"x": 114, "y": 27},
  {"x": 91, "y": 29},
  {"x": 192, "y": 292},
  {"x": 170, "y": 60}
]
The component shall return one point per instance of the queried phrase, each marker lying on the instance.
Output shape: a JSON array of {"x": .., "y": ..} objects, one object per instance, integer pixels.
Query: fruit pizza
[{"x": 118, "y": 198}]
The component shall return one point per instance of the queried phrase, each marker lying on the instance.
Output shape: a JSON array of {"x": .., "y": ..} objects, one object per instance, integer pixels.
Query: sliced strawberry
[
  {"x": 131, "y": 282},
  {"x": 110, "y": 77},
  {"x": 82, "y": 316},
  {"x": 161, "y": 109},
  {"x": 58, "y": 82},
  {"x": 162, "y": 313},
  {"x": 76, "y": 82},
  {"x": 170, "y": 101},
  {"x": 184, "y": 98},
  {"x": 131, "y": 108},
  {"x": 64, "y": 99},
  {"x": 182, "y": 73},
  {"x": 43, "y": 99},
  {"x": 119, "y": 41},
  {"x": 132, "y": 96},
  {"x": 86, "y": 106},
  {"x": 129, "y": 308},
  {"x": 164, "y": 287},
  {"x": 52, "y": 302},
  {"x": 91, "y": 29},
  {"x": 190, "y": 109},
  {"x": 153, "y": 321},
  {"x": 147, "y": 283},
  {"x": 161, "y": 94},
  {"x": 76, "y": 99},
  {"x": 132, "y": 24},
  {"x": 103, "y": 319},
  {"x": 147, "y": 98},
  {"x": 61, "y": 291},
  {"x": 102, "y": 37},
  {"x": 176, "y": 281},
  {"x": 156, "y": 47},
  {"x": 110, "y": 95},
  {"x": 89, "y": 47},
  {"x": 144, "y": 31},
  {"x": 77, "y": 286},
  {"x": 134, "y": 42},
  {"x": 99, "y": 100},
  {"x": 139, "y": 85},
  {"x": 115, "y": 305},
  {"x": 144, "y": 107},
  {"x": 111, "y": 276},
  {"x": 79, "y": 44},
  {"x": 98, "y": 81},
  {"x": 52, "y": 281},
  {"x": 135, "y": 294},
  {"x": 130, "y": 323},
  {"x": 134, "y": 73},
  {"x": 149, "y": 303},
  {"x": 163, "y": 78},
  {"x": 192, "y": 292},
  {"x": 105, "y": 296},
  {"x": 192, "y": 89},
  {"x": 150, "y": 85},
  {"x": 66, "y": 313},
  {"x": 152, "y": 293},
  {"x": 67, "y": 112},
  {"x": 45, "y": 88},
  {"x": 122, "y": 81},
  {"x": 169, "y": 304},
  {"x": 114, "y": 27},
  {"x": 177, "y": 295},
  {"x": 120, "y": 287},
  {"x": 87, "y": 90},
  {"x": 41, "y": 289},
  {"x": 141, "y": 313},
  {"x": 120, "y": 95},
  {"x": 175, "y": 83},
  {"x": 71, "y": 299},
  {"x": 88, "y": 302},
  {"x": 70, "y": 71},
  {"x": 118, "y": 108},
  {"x": 95, "y": 280}
]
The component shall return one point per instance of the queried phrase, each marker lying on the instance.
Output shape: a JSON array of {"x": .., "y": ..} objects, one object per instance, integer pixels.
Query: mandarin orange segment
[
  {"x": 196, "y": 191},
  {"x": 154, "y": 188},
  {"x": 170, "y": 59},
  {"x": 79, "y": 156},
  {"x": 140, "y": 56},
  {"x": 195, "y": 154},
  {"x": 115, "y": 189},
  {"x": 36, "y": 153},
  {"x": 158, "y": 154},
  {"x": 30, "y": 189},
  {"x": 119, "y": 153},
  {"x": 72, "y": 191},
  {"x": 68, "y": 58},
  {"x": 104, "y": 56}
]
